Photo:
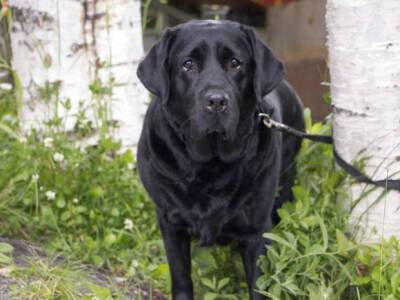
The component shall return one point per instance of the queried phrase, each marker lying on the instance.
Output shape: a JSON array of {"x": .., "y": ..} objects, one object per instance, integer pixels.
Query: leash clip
[{"x": 270, "y": 123}]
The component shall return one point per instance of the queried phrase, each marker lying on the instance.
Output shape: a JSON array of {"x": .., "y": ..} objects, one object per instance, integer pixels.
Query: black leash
[{"x": 389, "y": 184}]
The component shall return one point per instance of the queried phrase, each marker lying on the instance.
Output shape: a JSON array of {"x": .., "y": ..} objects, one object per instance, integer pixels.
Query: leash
[{"x": 389, "y": 184}]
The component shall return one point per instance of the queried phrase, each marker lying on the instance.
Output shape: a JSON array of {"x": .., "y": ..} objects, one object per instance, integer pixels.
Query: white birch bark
[
  {"x": 75, "y": 42},
  {"x": 5, "y": 52},
  {"x": 364, "y": 48}
]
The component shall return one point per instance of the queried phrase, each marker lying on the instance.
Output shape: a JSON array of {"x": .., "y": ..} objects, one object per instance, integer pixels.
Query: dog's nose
[{"x": 216, "y": 102}]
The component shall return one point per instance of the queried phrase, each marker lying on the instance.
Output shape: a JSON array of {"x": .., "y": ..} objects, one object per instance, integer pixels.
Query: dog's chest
[
  {"x": 213, "y": 184},
  {"x": 211, "y": 198}
]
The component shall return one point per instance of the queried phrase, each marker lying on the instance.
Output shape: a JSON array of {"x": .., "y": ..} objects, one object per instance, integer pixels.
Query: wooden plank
[{"x": 273, "y": 2}]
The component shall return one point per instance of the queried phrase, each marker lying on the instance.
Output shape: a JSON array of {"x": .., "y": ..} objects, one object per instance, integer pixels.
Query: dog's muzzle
[{"x": 216, "y": 102}]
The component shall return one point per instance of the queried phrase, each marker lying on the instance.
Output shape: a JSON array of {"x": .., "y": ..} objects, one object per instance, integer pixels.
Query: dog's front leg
[
  {"x": 177, "y": 247},
  {"x": 250, "y": 249}
]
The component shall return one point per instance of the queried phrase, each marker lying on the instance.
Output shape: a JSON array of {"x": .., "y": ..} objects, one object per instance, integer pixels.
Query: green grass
[
  {"x": 43, "y": 279},
  {"x": 37, "y": 277}
]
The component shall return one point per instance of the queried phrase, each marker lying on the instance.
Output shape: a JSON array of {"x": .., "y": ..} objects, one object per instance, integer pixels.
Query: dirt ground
[{"x": 24, "y": 250}]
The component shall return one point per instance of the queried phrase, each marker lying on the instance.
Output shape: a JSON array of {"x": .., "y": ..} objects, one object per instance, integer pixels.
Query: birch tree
[
  {"x": 364, "y": 49},
  {"x": 66, "y": 45},
  {"x": 5, "y": 51}
]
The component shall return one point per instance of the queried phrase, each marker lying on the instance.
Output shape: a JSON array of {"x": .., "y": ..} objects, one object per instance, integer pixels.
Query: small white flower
[
  {"x": 5, "y": 272},
  {"x": 58, "y": 157},
  {"x": 128, "y": 224},
  {"x": 135, "y": 263},
  {"x": 41, "y": 188},
  {"x": 8, "y": 118},
  {"x": 48, "y": 142},
  {"x": 35, "y": 177},
  {"x": 23, "y": 140},
  {"x": 130, "y": 166},
  {"x": 75, "y": 200},
  {"x": 6, "y": 86},
  {"x": 141, "y": 205},
  {"x": 120, "y": 151},
  {"x": 50, "y": 195}
]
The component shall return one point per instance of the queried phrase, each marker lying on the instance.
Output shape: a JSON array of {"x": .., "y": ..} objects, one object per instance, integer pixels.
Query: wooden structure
[
  {"x": 296, "y": 32},
  {"x": 294, "y": 29}
]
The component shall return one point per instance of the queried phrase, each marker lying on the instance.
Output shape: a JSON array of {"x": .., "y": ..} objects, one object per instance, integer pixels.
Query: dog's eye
[
  {"x": 188, "y": 65},
  {"x": 235, "y": 63}
]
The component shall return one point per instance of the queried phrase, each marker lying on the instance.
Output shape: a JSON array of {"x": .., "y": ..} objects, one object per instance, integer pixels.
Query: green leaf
[
  {"x": 115, "y": 212},
  {"x": 6, "y": 248},
  {"x": 364, "y": 256},
  {"x": 81, "y": 209},
  {"x": 292, "y": 288},
  {"x": 27, "y": 201},
  {"x": 210, "y": 296},
  {"x": 65, "y": 216},
  {"x": 4, "y": 259},
  {"x": 96, "y": 192},
  {"x": 280, "y": 241},
  {"x": 307, "y": 118},
  {"x": 110, "y": 239},
  {"x": 283, "y": 214},
  {"x": 343, "y": 244},
  {"x": 204, "y": 258},
  {"x": 127, "y": 157},
  {"x": 208, "y": 283},
  {"x": 48, "y": 217},
  {"x": 395, "y": 282},
  {"x": 222, "y": 283},
  {"x": 100, "y": 292},
  {"x": 315, "y": 249},
  {"x": 324, "y": 232},
  {"x": 276, "y": 290},
  {"x": 263, "y": 282},
  {"x": 311, "y": 220},
  {"x": 60, "y": 203},
  {"x": 316, "y": 128},
  {"x": 98, "y": 260},
  {"x": 299, "y": 193},
  {"x": 24, "y": 175},
  {"x": 162, "y": 271}
]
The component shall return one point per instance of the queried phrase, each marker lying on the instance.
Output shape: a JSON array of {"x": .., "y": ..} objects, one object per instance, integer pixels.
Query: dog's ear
[
  {"x": 153, "y": 69},
  {"x": 268, "y": 70}
]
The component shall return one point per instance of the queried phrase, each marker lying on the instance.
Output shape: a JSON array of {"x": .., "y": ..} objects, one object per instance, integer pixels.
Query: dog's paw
[{"x": 183, "y": 296}]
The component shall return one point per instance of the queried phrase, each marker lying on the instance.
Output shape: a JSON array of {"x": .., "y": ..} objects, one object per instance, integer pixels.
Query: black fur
[{"x": 211, "y": 167}]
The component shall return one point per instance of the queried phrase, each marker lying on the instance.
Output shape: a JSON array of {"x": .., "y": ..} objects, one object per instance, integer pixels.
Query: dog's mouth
[
  {"x": 216, "y": 139},
  {"x": 216, "y": 134}
]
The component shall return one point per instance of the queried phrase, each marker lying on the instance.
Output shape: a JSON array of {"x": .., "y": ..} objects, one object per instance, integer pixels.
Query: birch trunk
[
  {"x": 73, "y": 43},
  {"x": 364, "y": 48},
  {"x": 5, "y": 51}
]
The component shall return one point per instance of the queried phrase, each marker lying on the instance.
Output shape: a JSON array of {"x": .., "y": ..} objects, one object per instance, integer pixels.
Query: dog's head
[{"x": 209, "y": 76}]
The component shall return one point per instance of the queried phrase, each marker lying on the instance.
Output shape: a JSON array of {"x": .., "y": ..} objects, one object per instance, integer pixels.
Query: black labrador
[{"x": 214, "y": 171}]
